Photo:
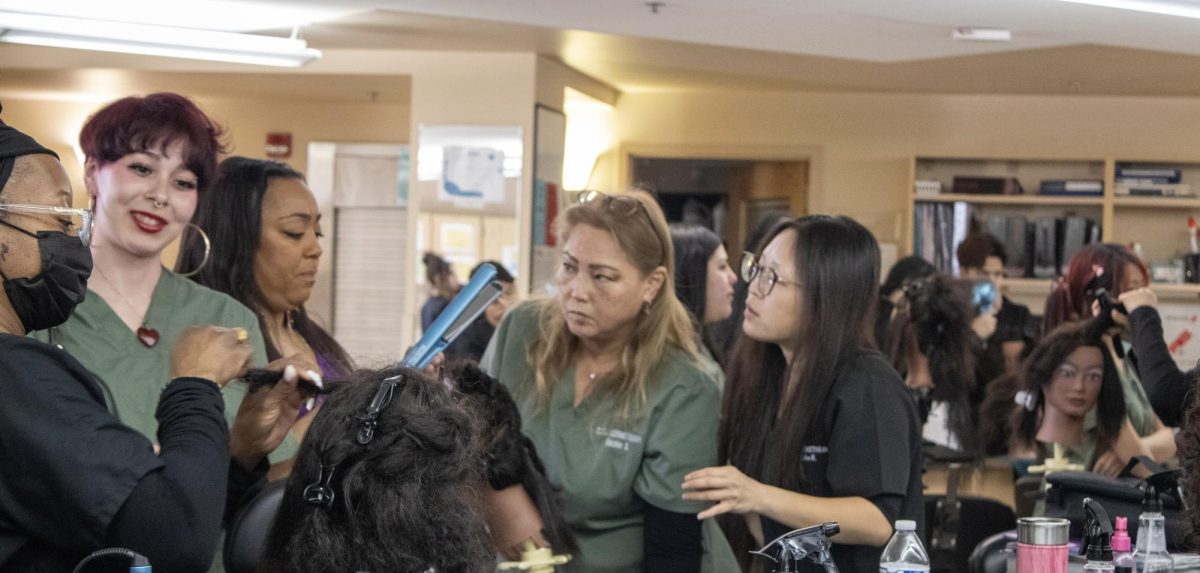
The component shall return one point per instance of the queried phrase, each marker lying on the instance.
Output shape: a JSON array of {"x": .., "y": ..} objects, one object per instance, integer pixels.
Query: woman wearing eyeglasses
[
  {"x": 74, "y": 479},
  {"x": 612, "y": 393},
  {"x": 148, "y": 161},
  {"x": 816, "y": 426}
]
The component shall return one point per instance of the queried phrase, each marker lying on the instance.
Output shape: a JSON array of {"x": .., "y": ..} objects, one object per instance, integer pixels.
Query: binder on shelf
[
  {"x": 1075, "y": 234},
  {"x": 1163, "y": 174},
  {"x": 1045, "y": 248},
  {"x": 987, "y": 185},
  {"x": 1071, "y": 187},
  {"x": 1153, "y": 190}
]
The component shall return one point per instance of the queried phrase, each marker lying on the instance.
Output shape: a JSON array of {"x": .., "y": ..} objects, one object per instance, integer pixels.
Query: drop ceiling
[{"x": 784, "y": 45}]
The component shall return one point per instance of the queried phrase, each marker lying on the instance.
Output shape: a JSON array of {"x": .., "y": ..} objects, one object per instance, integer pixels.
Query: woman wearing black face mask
[{"x": 74, "y": 479}]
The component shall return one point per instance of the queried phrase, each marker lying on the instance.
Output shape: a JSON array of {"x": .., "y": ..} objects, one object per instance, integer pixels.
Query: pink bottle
[
  {"x": 1122, "y": 548},
  {"x": 1042, "y": 545}
]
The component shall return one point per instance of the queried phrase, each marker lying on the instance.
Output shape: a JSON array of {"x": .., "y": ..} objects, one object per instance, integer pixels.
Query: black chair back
[
  {"x": 247, "y": 535},
  {"x": 990, "y": 555},
  {"x": 953, "y": 532}
]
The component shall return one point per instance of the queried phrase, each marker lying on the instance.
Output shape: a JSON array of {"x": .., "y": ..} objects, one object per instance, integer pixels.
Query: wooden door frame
[{"x": 812, "y": 155}]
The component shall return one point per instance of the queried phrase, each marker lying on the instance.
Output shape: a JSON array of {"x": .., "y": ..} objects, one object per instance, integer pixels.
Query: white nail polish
[
  {"x": 290, "y": 373},
  {"x": 316, "y": 379},
  {"x": 312, "y": 403}
]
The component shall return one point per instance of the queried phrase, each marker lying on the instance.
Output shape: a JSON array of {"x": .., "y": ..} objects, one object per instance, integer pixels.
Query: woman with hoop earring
[{"x": 148, "y": 160}]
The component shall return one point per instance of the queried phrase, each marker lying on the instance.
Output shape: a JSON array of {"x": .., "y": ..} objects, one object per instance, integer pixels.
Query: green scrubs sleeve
[{"x": 682, "y": 438}]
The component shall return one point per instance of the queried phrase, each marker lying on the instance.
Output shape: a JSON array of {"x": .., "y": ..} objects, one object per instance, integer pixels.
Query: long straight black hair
[
  {"x": 763, "y": 425},
  {"x": 231, "y": 214},
  {"x": 837, "y": 260},
  {"x": 694, "y": 246}
]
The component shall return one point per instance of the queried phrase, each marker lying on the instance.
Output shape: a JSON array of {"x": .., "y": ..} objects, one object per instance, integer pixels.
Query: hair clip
[
  {"x": 369, "y": 418},
  {"x": 1025, "y": 399},
  {"x": 321, "y": 491}
]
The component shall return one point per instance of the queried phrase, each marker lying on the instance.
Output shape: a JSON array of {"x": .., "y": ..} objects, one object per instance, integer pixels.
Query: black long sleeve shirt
[
  {"x": 74, "y": 479},
  {"x": 1167, "y": 387}
]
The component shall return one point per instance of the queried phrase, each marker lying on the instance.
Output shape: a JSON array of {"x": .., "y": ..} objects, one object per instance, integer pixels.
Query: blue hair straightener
[{"x": 468, "y": 304}]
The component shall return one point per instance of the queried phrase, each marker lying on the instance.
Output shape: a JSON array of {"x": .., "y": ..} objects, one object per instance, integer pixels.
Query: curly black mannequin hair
[
  {"x": 935, "y": 320},
  {"x": 510, "y": 457},
  {"x": 405, "y": 501}
]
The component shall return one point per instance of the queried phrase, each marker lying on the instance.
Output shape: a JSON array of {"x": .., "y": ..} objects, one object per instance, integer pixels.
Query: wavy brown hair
[
  {"x": 1038, "y": 372},
  {"x": 646, "y": 243}
]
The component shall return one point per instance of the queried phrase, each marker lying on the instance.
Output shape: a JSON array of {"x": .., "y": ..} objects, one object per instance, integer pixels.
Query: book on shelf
[
  {"x": 1071, "y": 187},
  {"x": 987, "y": 185},
  {"x": 1153, "y": 190},
  {"x": 1161, "y": 174}
]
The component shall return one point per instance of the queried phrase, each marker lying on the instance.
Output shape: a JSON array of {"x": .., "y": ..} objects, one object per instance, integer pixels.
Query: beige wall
[
  {"x": 56, "y": 124},
  {"x": 861, "y": 144}
]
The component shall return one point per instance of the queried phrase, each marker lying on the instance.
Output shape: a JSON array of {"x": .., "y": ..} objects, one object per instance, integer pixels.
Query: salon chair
[
  {"x": 956, "y": 524},
  {"x": 990, "y": 555},
  {"x": 247, "y": 534}
]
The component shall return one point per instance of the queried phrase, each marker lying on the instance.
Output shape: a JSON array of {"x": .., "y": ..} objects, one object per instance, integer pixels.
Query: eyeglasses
[
  {"x": 624, "y": 206},
  {"x": 767, "y": 277},
  {"x": 1070, "y": 373},
  {"x": 81, "y": 219}
]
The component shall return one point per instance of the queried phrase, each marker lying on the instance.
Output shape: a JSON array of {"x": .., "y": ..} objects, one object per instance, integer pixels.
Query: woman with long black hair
[
  {"x": 703, "y": 281},
  {"x": 816, "y": 426}
]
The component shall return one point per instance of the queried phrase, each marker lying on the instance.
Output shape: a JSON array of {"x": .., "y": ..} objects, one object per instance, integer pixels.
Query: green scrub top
[
  {"x": 608, "y": 469},
  {"x": 1137, "y": 404},
  {"x": 134, "y": 375}
]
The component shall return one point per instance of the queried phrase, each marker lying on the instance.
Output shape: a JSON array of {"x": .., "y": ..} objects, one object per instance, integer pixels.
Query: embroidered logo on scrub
[
  {"x": 811, "y": 453},
  {"x": 618, "y": 440}
]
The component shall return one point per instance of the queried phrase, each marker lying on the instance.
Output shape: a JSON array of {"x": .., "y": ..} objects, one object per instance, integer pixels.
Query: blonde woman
[{"x": 612, "y": 393}]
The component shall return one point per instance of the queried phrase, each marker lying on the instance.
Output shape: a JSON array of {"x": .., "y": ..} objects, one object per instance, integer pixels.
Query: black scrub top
[
  {"x": 872, "y": 450},
  {"x": 66, "y": 464}
]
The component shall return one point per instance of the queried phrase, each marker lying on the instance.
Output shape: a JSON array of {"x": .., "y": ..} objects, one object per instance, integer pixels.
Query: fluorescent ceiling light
[
  {"x": 58, "y": 32},
  {"x": 223, "y": 15},
  {"x": 973, "y": 34},
  {"x": 1186, "y": 9}
]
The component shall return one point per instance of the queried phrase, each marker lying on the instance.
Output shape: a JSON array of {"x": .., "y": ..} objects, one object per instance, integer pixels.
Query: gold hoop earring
[{"x": 207, "y": 250}]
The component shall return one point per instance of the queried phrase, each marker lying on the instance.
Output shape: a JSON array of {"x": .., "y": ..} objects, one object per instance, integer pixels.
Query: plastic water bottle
[{"x": 904, "y": 553}]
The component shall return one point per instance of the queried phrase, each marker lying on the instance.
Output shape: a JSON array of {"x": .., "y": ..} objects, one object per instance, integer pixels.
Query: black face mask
[{"x": 49, "y": 298}]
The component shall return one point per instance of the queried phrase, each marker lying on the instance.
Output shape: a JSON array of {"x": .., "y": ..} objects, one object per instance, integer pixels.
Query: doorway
[{"x": 729, "y": 196}]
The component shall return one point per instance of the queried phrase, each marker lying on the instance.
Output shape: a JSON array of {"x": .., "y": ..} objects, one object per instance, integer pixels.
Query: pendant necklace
[{"x": 146, "y": 335}]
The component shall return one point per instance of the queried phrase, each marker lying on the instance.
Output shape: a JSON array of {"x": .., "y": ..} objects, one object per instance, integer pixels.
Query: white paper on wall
[
  {"x": 1181, "y": 329},
  {"x": 472, "y": 174}
]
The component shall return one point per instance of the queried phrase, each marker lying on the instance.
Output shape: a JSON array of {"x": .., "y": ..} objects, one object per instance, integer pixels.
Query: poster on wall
[
  {"x": 1181, "y": 329},
  {"x": 472, "y": 175}
]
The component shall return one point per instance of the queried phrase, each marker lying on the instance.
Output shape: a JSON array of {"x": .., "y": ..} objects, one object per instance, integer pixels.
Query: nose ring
[{"x": 159, "y": 204}]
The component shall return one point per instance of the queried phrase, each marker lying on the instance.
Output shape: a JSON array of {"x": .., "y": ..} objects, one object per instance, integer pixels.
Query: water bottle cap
[{"x": 906, "y": 525}]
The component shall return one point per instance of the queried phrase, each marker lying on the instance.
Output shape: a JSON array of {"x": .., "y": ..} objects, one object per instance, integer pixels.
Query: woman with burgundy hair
[
  {"x": 1097, "y": 275},
  {"x": 148, "y": 160}
]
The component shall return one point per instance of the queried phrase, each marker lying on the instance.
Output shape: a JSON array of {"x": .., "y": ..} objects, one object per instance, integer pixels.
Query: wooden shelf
[
  {"x": 982, "y": 199},
  {"x": 1158, "y": 202},
  {"x": 1176, "y": 289}
]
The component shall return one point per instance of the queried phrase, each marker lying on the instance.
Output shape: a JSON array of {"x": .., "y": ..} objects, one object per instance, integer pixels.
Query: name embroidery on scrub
[
  {"x": 811, "y": 452},
  {"x": 618, "y": 439}
]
